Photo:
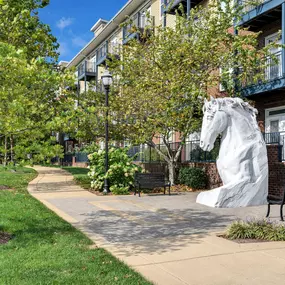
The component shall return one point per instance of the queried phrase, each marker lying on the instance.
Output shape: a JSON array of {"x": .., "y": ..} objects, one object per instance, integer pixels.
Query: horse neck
[{"x": 242, "y": 126}]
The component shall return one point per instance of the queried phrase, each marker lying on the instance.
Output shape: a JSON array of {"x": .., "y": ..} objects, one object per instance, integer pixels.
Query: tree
[
  {"x": 21, "y": 27},
  {"x": 162, "y": 78},
  {"x": 33, "y": 104}
]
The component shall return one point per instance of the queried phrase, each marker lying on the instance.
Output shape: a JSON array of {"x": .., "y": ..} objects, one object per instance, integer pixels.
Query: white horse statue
[{"x": 242, "y": 162}]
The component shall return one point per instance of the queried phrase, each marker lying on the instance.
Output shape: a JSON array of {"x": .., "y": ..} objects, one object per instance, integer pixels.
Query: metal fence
[
  {"x": 191, "y": 152},
  {"x": 279, "y": 139}
]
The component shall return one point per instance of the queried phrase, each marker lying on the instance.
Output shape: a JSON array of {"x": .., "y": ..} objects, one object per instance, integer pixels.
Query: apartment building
[
  {"x": 109, "y": 35},
  {"x": 268, "y": 17},
  {"x": 268, "y": 92}
]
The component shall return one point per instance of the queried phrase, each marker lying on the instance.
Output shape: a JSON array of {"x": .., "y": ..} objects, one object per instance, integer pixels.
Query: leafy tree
[
  {"x": 34, "y": 102},
  {"x": 21, "y": 27},
  {"x": 161, "y": 79}
]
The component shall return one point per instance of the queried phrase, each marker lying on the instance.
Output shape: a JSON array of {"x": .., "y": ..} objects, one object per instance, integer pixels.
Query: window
[{"x": 274, "y": 126}]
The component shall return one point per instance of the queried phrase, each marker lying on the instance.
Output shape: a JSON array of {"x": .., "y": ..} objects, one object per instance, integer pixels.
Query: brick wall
[
  {"x": 276, "y": 171},
  {"x": 271, "y": 100},
  {"x": 267, "y": 30}
]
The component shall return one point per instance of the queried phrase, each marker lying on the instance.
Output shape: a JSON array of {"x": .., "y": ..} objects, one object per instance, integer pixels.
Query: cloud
[
  {"x": 63, "y": 49},
  {"x": 78, "y": 41},
  {"x": 64, "y": 22}
]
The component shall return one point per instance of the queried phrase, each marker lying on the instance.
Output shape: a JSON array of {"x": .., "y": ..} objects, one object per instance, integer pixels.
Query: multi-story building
[
  {"x": 268, "y": 92},
  {"x": 268, "y": 17},
  {"x": 109, "y": 35}
]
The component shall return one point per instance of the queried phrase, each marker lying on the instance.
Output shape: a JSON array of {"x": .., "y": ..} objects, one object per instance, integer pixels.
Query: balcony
[
  {"x": 269, "y": 78},
  {"x": 86, "y": 69},
  {"x": 260, "y": 13},
  {"x": 170, "y": 6},
  {"x": 102, "y": 53},
  {"x": 139, "y": 23}
]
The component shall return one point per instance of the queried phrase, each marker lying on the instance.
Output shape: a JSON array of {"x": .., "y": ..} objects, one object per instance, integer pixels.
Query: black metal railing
[
  {"x": 191, "y": 152},
  {"x": 270, "y": 69},
  {"x": 87, "y": 66},
  {"x": 137, "y": 24},
  {"x": 277, "y": 138}
]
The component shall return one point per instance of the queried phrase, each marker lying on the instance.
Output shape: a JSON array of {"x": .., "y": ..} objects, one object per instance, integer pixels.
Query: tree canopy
[{"x": 163, "y": 75}]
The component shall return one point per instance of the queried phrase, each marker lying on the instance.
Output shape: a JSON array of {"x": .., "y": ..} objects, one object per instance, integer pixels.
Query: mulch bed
[
  {"x": 4, "y": 237},
  {"x": 247, "y": 240}
]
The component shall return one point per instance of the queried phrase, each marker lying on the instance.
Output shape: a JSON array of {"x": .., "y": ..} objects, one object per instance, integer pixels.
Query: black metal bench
[
  {"x": 276, "y": 200},
  {"x": 150, "y": 181}
]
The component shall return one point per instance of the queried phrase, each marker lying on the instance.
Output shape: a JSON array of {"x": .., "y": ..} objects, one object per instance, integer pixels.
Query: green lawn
[
  {"x": 80, "y": 176},
  {"x": 47, "y": 250}
]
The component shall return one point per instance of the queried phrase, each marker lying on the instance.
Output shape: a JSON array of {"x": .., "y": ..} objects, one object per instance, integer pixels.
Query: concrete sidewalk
[{"x": 170, "y": 240}]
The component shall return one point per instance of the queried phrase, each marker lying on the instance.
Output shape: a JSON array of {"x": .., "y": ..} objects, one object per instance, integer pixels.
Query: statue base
[{"x": 243, "y": 194}]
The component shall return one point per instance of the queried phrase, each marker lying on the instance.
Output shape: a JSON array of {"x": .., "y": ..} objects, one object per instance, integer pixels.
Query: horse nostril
[{"x": 201, "y": 143}]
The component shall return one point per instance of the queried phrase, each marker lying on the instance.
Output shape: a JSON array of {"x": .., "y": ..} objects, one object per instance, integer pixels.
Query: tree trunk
[
  {"x": 171, "y": 171},
  {"x": 12, "y": 149},
  {"x": 5, "y": 152}
]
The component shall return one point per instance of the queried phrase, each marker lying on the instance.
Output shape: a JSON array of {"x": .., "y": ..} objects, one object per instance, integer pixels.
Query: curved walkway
[{"x": 170, "y": 240}]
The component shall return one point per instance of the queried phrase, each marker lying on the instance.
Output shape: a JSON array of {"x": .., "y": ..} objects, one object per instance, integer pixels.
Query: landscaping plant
[
  {"x": 256, "y": 229},
  {"x": 195, "y": 178},
  {"x": 121, "y": 170}
]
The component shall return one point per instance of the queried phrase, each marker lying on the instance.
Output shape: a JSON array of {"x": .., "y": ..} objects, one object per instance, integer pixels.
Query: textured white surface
[{"x": 242, "y": 162}]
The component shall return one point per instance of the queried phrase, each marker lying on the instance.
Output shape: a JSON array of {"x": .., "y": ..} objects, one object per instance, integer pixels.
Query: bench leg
[
  {"x": 281, "y": 213},
  {"x": 268, "y": 210},
  {"x": 169, "y": 190},
  {"x": 164, "y": 190},
  {"x": 139, "y": 191}
]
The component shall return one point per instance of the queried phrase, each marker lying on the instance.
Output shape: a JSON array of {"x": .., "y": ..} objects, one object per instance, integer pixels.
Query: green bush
[
  {"x": 193, "y": 177},
  {"x": 121, "y": 170},
  {"x": 262, "y": 230}
]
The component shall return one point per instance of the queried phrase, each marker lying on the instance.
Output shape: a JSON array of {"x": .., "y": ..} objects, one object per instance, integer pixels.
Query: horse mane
[{"x": 236, "y": 102}]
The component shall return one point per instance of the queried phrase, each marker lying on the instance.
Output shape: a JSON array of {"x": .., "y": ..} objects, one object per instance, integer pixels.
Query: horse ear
[
  {"x": 212, "y": 98},
  {"x": 205, "y": 101}
]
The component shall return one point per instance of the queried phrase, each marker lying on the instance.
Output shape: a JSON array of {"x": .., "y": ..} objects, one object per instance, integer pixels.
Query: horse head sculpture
[{"x": 242, "y": 161}]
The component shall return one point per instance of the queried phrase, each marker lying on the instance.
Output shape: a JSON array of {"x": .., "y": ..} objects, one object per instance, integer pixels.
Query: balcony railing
[
  {"x": 279, "y": 139},
  {"x": 270, "y": 70},
  {"x": 138, "y": 23},
  {"x": 250, "y": 5},
  {"x": 87, "y": 66}
]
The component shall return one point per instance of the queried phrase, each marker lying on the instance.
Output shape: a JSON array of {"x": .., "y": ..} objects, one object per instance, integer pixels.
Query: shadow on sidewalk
[{"x": 148, "y": 232}]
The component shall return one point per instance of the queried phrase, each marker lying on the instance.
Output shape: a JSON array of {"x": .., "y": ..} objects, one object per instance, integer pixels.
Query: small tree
[{"x": 162, "y": 79}]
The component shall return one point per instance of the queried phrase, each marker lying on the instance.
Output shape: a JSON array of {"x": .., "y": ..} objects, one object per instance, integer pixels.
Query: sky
[{"x": 71, "y": 21}]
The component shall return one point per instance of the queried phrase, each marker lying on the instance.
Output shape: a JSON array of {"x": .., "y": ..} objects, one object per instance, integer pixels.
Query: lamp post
[{"x": 107, "y": 80}]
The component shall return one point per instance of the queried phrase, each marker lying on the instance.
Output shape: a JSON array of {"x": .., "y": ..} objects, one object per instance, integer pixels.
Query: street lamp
[{"x": 107, "y": 80}]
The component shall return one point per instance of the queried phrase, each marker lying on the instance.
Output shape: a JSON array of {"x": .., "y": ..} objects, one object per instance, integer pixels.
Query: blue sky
[{"x": 71, "y": 21}]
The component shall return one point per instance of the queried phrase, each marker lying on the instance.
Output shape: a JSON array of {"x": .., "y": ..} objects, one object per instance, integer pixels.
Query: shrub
[
  {"x": 121, "y": 170},
  {"x": 256, "y": 229},
  {"x": 193, "y": 177}
]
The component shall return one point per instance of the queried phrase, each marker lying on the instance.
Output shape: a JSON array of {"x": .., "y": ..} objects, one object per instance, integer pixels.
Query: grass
[
  {"x": 256, "y": 229},
  {"x": 47, "y": 250},
  {"x": 80, "y": 176}
]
